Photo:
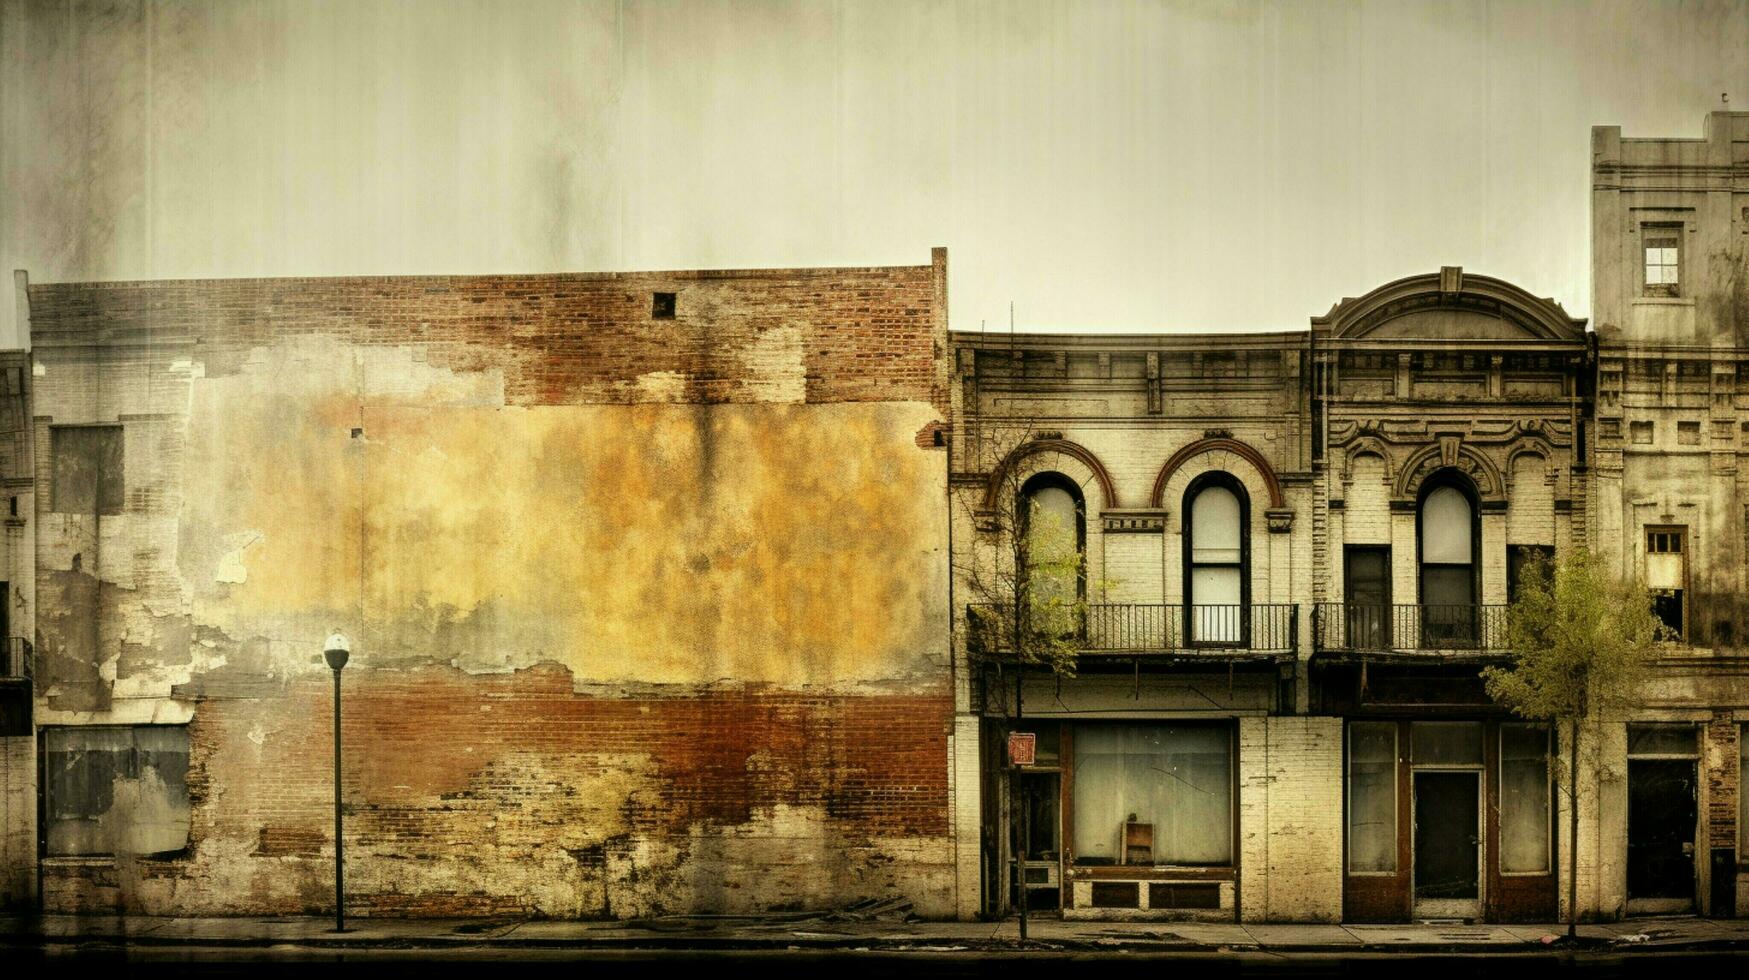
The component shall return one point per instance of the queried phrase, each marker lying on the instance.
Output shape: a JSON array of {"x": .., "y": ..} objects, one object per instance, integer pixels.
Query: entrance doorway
[
  {"x": 1663, "y": 811},
  {"x": 1448, "y": 844}
]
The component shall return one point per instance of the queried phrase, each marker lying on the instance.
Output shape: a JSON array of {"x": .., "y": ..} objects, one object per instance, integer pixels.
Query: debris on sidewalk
[{"x": 893, "y": 909}]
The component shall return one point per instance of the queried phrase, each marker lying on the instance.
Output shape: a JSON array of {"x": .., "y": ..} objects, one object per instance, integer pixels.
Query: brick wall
[
  {"x": 841, "y": 334},
  {"x": 1721, "y": 775},
  {"x": 622, "y": 644},
  {"x": 509, "y": 794}
]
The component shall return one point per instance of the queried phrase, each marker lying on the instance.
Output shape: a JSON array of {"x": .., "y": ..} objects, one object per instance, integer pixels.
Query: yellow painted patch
[{"x": 783, "y": 543}]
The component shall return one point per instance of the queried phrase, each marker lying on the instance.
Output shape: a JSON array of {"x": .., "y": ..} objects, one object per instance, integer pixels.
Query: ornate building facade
[{"x": 1297, "y": 551}]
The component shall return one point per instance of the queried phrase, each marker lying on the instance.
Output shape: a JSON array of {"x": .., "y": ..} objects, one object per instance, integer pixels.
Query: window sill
[
  {"x": 1152, "y": 872},
  {"x": 1663, "y": 301}
]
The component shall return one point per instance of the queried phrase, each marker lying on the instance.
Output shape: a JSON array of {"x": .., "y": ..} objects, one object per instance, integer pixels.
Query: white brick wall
[
  {"x": 1135, "y": 567},
  {"x": 967, "y": 814},
  {"x": 1530, "y": 510},
  {"x": 1290, "y": 819}
]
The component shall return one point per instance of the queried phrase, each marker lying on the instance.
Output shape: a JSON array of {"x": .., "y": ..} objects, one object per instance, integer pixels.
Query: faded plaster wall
[{"x": 647, "y": 614}]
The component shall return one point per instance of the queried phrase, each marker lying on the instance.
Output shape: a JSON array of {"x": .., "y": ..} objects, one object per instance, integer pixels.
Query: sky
[{"x": 1101, "y": 166}]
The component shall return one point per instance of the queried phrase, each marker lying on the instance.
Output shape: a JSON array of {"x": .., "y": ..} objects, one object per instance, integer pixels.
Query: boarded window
[
  {"x": 1217, "y": 570},
  {"x": 116, "y": 790},
  {"x": 1170, "y": 785},
  {"x": 1445, "y": 527},
  {"x": 87, "y": 469},
  {"x": 1524, "y": 799},
  {"x": 1372, "y": 796}
]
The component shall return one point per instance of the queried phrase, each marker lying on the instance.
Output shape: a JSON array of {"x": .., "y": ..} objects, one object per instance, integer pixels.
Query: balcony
[
  {"x": 1410, "y": 630},
  {"x": 17, "y": 660},
  {"x": 1125, "y": 630}
]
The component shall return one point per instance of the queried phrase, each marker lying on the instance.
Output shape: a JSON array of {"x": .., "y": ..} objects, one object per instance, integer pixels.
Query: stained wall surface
[{"x": 648, "y": 614}]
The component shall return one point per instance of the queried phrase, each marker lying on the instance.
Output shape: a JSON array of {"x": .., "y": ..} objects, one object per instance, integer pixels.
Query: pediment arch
[{"x": 1450, "y": 305}]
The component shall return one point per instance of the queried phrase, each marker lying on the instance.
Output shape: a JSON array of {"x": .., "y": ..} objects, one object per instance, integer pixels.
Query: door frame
[
  {"x": 1661, "y": 906},
  {"x": 1451, "y": 908}
]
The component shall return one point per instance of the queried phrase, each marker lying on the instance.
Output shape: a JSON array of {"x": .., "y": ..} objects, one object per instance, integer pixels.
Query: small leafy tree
[
  {"x": 1582, "y": 641},
  {"x": 1028, "y": 608}
]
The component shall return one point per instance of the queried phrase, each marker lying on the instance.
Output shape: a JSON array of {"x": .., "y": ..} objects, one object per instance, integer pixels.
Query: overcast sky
[{"x": 1104, "y": 166}]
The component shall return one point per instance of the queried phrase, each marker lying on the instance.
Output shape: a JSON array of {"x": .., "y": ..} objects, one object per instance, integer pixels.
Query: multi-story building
[
  {"x": 694, "y": 591},
  {"x": 1670, "y": 302}
]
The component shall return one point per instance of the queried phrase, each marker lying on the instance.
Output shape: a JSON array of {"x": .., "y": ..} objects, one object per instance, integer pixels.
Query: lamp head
[{"x": 337, "y": 651}]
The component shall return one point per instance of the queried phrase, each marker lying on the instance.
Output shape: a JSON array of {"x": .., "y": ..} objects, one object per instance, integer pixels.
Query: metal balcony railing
[
  {"x": 1409, "y": 628},
  {"x": 18, "y": 659},
  {"x": 1140, "y": 628}
]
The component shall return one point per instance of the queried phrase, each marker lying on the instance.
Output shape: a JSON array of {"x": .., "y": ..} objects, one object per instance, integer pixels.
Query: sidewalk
[{"x": 722, "y": 934}]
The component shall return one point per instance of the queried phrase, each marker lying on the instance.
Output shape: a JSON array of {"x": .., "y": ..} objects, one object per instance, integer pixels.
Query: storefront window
[
  {"x": 1524, "y": 798},
  {"x": 1153, "y": 794},
  {"x": 1372, "y": 796}
]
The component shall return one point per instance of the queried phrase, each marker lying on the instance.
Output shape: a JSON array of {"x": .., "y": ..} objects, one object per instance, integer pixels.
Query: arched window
[
  {"x": 1053, "y": 526},
  {"x": 1217, "y": 586},
  {"x": 1449, "y": 560}
]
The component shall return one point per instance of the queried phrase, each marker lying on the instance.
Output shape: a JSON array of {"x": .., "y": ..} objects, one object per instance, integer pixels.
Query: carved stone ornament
[
  {"x": 1139, "y": 521},
  {"x": 1281, "y": 519}
]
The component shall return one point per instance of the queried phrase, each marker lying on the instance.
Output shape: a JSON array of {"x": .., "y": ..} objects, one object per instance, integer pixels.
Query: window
[
  {"x": 1524, "y": 799},
  {"x": 87, "y": 469},
  {"x": 1372, "y": 797},
  {"x": 662, "y": 306},
  {"x": 1640, "y": 433},
  {"x": 1523, "y": 560},
  {"x": 115, "y": 790},
  {"x": 1448, "y": 536},
  {"x": 1053, "y": 551},
  {"x": 1215, "y": 546},
  {"x": 1153, "y": 794},
  {"x": 1688, "y": 433},
  {"x": 1667, "y": 575},
  {"x": 1662, "y": 244}
]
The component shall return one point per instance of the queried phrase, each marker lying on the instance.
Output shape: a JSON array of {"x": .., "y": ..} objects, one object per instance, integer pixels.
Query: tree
[
  {"x": 1026, "y": 581},
  {"x": 1582, "y": 641}
]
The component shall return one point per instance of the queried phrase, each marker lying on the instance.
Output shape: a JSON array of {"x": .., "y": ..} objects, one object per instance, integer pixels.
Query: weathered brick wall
[
  {"x": 510, "y": 794},
  {"x": 648, "y": 614},
  {"x": 1290, "y": 819},
  {"x": 1720, "y": 764},
  {"x": 819, "y": 335}
]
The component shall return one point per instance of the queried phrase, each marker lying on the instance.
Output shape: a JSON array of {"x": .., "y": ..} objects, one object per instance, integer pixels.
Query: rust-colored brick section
[
  {"x": 861, "y": 334},
  {"x": 1722, "y": 780}
]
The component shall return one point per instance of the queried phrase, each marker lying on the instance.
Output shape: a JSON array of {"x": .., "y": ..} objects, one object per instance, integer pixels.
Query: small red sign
[{"x": 1022, "y": 748}]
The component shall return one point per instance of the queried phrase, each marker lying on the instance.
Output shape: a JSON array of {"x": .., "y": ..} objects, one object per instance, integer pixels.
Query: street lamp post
[{"x": 336, "y": 651}]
